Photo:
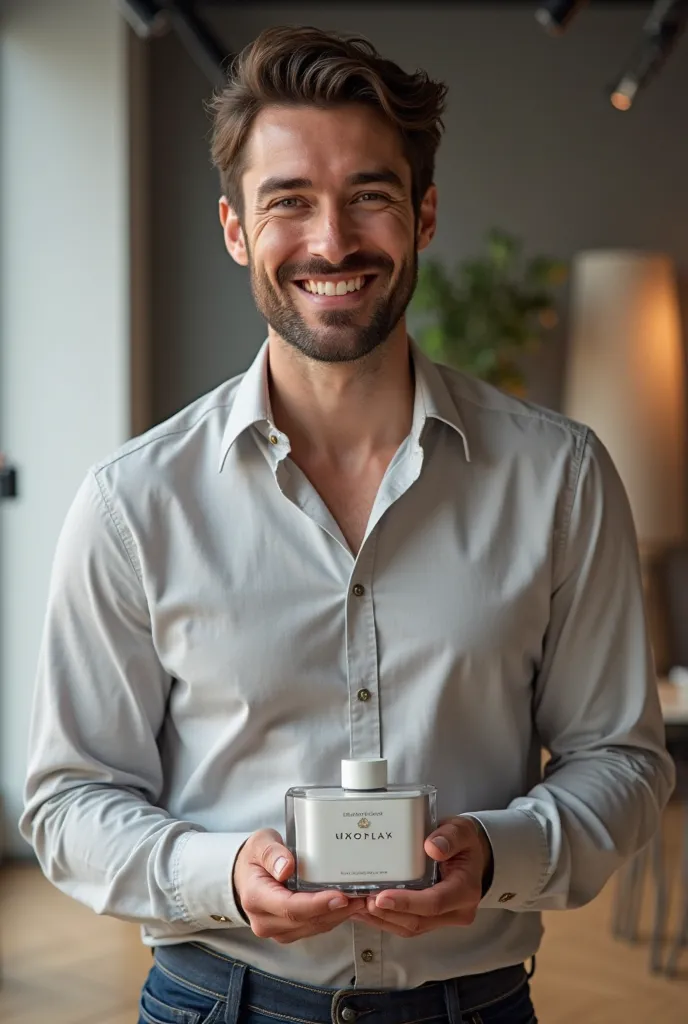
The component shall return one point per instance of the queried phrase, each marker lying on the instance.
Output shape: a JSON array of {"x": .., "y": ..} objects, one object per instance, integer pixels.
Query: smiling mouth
[{"x": 331, "y": 288}]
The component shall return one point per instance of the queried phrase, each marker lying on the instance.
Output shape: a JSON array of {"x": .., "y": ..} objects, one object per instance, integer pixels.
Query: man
[{"x": 346, "y": 552}]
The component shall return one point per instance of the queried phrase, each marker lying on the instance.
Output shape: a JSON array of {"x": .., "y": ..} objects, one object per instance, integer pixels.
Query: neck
[{"x": 342, "y": 412}]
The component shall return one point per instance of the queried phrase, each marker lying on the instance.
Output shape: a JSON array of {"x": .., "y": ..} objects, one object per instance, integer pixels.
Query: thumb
[
  {"x": 451, "y": 838},
  {"x": 274, "y": 856}
]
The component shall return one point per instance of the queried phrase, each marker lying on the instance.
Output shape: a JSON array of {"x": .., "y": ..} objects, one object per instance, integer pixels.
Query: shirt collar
[
  {"x": 433, "y": 399},
  {"x": 251, "y": 406}
]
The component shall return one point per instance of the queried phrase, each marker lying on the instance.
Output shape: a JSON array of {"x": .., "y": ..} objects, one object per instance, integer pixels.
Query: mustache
[{"x": 354, "y": 264}]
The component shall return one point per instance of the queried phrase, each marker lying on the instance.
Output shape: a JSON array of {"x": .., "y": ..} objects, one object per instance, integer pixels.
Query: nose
[{"x": 334, "y": 236}]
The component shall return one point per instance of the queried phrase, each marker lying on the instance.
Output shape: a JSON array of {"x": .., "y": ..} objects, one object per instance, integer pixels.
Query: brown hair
[{"x": 308, "y": 66}]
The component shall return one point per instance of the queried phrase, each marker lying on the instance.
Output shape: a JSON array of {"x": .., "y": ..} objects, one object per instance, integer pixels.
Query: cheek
[
  {"x": 280, "y": 236},
  {"x": 394, "y": 235},
  {"x": 274, "y": 245}
]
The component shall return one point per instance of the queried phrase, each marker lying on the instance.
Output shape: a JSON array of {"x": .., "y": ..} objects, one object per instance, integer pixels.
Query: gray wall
[
  {"x": 531, "y": 145},
  {"x": 64, "y": 315}
]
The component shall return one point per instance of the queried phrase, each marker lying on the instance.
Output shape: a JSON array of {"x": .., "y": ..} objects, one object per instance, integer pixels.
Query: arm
[
  {"x": 596, "y": 709},
  {"x": 95, "y": 774}
]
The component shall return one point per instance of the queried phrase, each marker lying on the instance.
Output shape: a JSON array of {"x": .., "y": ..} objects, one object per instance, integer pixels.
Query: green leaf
[{"x": 486, "y": 308}]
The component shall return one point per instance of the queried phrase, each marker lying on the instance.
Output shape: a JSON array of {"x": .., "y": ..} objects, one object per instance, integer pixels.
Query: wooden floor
[{"x": 64, "y": 965}]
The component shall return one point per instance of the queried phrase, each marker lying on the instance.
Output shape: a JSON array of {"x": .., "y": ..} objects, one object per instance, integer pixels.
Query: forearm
[
  {"x": 555, "y": 848},
  {"x": 113, "y": 851}
]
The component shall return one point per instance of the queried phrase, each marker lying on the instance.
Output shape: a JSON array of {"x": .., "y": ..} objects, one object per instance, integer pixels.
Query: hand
[
  {"x": 261, "y": 867},
  {"x": 465, "y": 854}
]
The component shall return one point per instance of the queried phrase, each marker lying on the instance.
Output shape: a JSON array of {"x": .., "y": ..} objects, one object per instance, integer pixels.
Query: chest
[
  {"x": 348, "y": 493},
  {"x": 350, "y": 501}
]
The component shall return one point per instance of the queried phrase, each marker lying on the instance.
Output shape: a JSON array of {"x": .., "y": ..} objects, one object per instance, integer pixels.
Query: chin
[{"x": 335, "y": 349}]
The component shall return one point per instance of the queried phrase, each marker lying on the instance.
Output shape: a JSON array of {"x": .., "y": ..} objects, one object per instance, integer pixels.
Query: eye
[
  {"x": 373, "y": 197},
  {"x": 288, "y": 203}
]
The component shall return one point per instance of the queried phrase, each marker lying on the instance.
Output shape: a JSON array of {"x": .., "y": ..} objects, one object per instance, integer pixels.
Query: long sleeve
[
  {"x": 95, "y": 772},
  {"x": 596, "y": 710}
]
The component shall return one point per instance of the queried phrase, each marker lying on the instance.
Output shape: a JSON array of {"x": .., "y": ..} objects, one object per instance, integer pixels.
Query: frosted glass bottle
[{"x": 364, "y": 836}]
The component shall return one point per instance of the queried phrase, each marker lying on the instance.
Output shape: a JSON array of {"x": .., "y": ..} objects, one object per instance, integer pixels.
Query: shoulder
[
  {"x": 192, "y": 435},
  {"x": 498, "y": 423}
]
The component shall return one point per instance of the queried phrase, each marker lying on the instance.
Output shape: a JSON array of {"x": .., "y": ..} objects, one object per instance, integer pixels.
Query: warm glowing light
[{"x": 621, "y": 101}]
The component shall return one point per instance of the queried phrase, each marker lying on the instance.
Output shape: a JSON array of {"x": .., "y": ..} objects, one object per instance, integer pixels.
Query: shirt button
[
  {"x": 358, "y": 590},
  {"x": 274, "y": 439},
  {"x": 364, "y": 694},
  {"x": 506, "y": 896},
  {"x": 367, "y": 955},
  {"x": 347, "y": 1014},
  {"x": 218, "y": 917}
]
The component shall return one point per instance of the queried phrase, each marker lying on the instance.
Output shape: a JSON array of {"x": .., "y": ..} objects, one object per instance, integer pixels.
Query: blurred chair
[{"x": 631, "y": 878}]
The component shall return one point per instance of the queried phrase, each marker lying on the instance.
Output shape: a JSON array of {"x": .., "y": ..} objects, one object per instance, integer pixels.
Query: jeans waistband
[{"x": 224, "y": 978}]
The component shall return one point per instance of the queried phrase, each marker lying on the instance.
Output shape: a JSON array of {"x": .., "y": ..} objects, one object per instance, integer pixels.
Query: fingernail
[
  {"x": 338, "y": 903},
  {"x": 385, "y": 903},
  {"x": 441, "y": 843},
  {"x": 279, "y": 866}
]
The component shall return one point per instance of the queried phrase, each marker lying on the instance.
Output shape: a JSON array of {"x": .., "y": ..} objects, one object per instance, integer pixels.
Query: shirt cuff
[
  {"x": 203, "y": 879},
  {"x": 520, "y": 858}
]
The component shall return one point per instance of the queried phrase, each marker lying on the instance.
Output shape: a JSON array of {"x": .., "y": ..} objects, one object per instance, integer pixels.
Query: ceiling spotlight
[
  {"x": 145, "y": 17},
  {"x": 661, "y": 30},
  {"x": 555, "y": 15}
]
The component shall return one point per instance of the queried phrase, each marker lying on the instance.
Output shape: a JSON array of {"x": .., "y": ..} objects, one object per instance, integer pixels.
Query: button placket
[
  {"x": 367, "y": 956},
  {"x": 362, "y": 658},
  {"x": 364, "y": 715}
]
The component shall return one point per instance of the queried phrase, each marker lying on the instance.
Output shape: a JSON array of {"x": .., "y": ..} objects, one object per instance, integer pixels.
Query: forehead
[{"x": 325, "y": 146}]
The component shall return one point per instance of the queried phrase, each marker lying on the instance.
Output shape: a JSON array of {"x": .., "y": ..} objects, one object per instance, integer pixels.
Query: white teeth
[{"x": 330, "y": 288}]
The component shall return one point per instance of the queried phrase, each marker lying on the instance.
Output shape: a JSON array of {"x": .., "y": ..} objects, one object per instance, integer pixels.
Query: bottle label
[{"x": 360, "y": 841}]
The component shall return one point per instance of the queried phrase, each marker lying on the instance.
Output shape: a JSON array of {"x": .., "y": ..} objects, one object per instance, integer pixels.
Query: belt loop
[
  {"x": 451, "y": 998},
  {"x": 236, "y": 984}
]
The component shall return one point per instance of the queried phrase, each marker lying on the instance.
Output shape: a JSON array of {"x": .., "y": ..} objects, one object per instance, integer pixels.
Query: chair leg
[
  {"x": 628, "y": 897},
  {"x": 636, "y": 896},
  {"x": 681, "y": 937},
  {"x": 660, "y": 910},
  {"x": 620, "y": 904}
]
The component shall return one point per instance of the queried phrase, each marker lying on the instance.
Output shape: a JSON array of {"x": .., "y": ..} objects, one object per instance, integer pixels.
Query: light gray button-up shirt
[{"x": 209, "y": 632}]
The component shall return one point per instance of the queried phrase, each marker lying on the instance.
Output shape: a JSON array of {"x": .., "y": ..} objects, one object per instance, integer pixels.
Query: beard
[{"x": 339, "y": 336}]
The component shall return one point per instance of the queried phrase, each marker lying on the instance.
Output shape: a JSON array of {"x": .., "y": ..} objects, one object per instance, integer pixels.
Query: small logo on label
[{"x": 364, "y": 823}]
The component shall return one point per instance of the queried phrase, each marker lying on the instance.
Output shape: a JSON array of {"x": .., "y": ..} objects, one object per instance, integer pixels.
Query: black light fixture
[
  {"x": 661, "y": 30},
  {"x": 151, "y": 18},
  {"x": 201, "y": 44},
  {"x": 555, "y": 15},
  {"x": 147, "y": 18}
]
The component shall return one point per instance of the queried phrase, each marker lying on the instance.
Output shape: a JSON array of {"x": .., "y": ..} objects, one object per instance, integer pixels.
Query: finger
[
  {"x": 392, "y": 927},
  {"x": 266, "y": 897},
  {"x": 453, "y": 893},
  {"x": 416, "y": 924},
  {"x": 272, "y": 855},
  {"x": 411, "y": 923},
  {"x": 279, "y": 928},
  {"x": 452, "y": 838}
]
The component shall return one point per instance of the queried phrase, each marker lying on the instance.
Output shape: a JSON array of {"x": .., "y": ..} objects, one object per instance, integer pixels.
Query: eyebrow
[{"x": 383, "y": 175}]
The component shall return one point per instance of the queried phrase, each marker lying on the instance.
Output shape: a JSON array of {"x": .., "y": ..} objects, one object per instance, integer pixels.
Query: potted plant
[{"x": 481, "y": 316}]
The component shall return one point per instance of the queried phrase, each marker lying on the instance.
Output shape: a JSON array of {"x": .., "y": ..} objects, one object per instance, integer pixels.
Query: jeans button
[{"x": 347, "y": 1015}]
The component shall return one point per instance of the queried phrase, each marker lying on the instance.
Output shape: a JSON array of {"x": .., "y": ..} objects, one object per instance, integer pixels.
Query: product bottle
[{"x": 364, "y": 836}]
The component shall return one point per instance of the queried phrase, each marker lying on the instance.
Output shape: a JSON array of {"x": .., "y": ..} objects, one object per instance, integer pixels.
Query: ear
[
  {"x": 233, "y": 233},
  {"x": 427, "y": 218}
]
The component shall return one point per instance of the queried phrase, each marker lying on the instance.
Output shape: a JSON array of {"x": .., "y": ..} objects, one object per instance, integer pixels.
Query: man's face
[{"x": 329, "y": 231}]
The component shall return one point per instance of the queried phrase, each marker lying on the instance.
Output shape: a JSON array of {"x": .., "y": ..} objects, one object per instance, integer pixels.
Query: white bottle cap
[{"x": 365, "y": 773}]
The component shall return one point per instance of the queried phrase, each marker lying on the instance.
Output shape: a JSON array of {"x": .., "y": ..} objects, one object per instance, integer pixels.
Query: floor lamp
[{"x": 625, "y": 379}]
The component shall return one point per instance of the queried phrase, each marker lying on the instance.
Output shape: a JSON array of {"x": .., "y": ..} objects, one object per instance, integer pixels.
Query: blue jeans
[{"x": 191, "y": 985}]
